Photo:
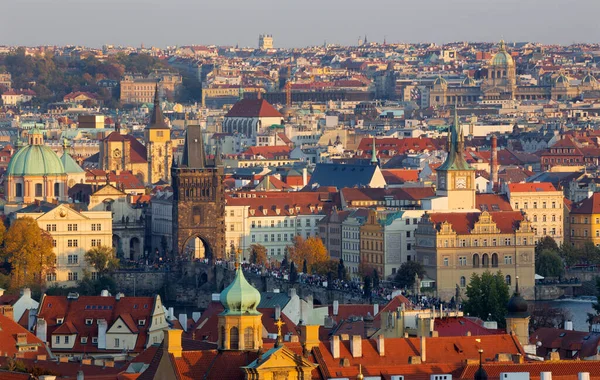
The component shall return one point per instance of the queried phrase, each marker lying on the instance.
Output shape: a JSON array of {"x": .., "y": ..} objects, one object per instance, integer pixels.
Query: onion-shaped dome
[
  {"x": 469, "y": 82},
  {"x": 440, "y": 81},
  {"x": 240, "y": 298},
  {"x": 35, "y": 159},
  {"x": 502, "y": 58},
  {"x": 517, "y": 306}
]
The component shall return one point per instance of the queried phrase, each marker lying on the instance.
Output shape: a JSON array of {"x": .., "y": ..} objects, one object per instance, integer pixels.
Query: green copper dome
[
  {"x": 502, "y": 58},
  {"x": 440, "y": 81},
  {"x": 69, "y": 164},
  {"x": 35, "y": 160},
  {"x": 240, "y": 297}
]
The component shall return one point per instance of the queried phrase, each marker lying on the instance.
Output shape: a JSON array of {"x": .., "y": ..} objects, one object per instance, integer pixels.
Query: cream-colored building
[
  {"x": 542, "y": 204},
  {"x": 462, "y": 234},
  {"x": 73, "y": 233},
  {"x": 138, "y": 89}
]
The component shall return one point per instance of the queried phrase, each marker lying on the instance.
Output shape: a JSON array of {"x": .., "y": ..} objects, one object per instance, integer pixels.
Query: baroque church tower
[
  {"x": 455, "y": 177},
  {"x": 159, "y": 149},
  {"x": 198, "y": 199}
]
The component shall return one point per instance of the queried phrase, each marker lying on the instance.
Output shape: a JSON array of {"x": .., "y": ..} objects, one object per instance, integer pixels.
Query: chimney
[
  {"x": 545, "y": 375},
  {"x": 494, "y": 163},
  {"x": 336, "y": 306},
  {"x": 375, "y": 309},
  {"x": 335, "y": 346},
  {"x": 41, "y": 330},
  {"x": 381, "y": 345},
  {"x": 80, "y": 375},
  {"x": 292, "y": 292},
  {"x": 104, "y": 293},
  {"x": 170, "y": 313},
  {"x": 583, "y": 376},
  {"x": 309, "y": 336},
  {"x": 196, "y": 316},
  {"x": 423, "y": 350},
  {"x": 183, "y": 321},
  {"x": 21, "y": 339},
  {"x": 172, "y": 342},
  {"x": 7, "y": 311},
  {"x": 277, "y": 312},
  {"x": 25, "y": 292},
  {"x": 356, "y": 346},
  {"x": 102, "y": 327},
  {"x": 304, "y": 177},
  {"x": 569, "y": 325}
]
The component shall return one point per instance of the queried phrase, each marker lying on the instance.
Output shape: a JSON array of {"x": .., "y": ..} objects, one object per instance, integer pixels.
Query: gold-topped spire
[{"x": 360, "y": 374}]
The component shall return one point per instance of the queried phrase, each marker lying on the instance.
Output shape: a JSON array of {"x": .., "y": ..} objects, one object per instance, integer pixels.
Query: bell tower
[
  {"x": 198, "y": 199},
  {"x": 159, "y": 149},
  {"x": 455, "y": 177}
]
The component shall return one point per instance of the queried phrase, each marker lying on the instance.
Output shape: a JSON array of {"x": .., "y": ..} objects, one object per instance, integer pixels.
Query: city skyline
[{"x": 181, "y": 22}]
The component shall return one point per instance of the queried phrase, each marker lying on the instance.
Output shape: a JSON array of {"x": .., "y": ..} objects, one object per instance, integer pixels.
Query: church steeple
[
  {"x": 456, "y": 147},
  {"x": 374, "y": 154},
  {"x": 157, "y": 120},
  {"x": 193, "y": 148}
]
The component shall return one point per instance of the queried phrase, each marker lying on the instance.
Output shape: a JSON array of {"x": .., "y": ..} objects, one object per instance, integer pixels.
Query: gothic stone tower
[
  {"x": 198, "y": 199},
  {"x": 159, "y": 150}
]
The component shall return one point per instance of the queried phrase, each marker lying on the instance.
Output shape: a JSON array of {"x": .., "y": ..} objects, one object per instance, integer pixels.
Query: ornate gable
[
  {"x": 280, "y": 363},
  {"x": 485, "y": 225}
]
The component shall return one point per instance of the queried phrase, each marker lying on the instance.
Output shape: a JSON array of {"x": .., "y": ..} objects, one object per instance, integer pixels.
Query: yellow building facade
[
  {"x": 584, "y": 222},
  {"x": 372, "y": 245}
]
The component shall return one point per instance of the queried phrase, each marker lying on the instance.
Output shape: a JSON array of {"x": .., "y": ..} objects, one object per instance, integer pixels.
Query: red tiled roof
[
  {"x": 253, "y": 108},
  {"x": 212, "y": 364},
  {"x": 76, "y": 311},
  {"x": 268, "y": 202},
  {"x": 492, "y": 202},
  {"x": 8, "y": 340},
  {"x": 386, "y": 145},
  {"x": 460, "y": 326},
  {"x": 439, "y": 350},
  {"x": 559, "y": 369},
  {"x": 463, "y": 223},
  {"x": 137, "y": 152},
  {"x": 269, "y": 152},
  {"x": 399, "y": 176},
  {"x": 590, "y": 205},
  {"x": 531, "y": 187}
]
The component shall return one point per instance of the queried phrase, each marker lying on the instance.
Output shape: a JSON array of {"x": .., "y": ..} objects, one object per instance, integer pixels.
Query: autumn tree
[
  {"x": 29, "y": 251},
  {"x": 103, "y": 259},
  {"x": 312, "y": 250},
  {"x": 258, "y": 254}
]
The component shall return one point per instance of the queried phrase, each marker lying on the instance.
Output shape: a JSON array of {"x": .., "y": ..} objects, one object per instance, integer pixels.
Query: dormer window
[
  {"x": 95, "y": 340},
  {"x": 59, "y": 321},
  {"x": 142, "y": 322},
  {"x": 84, "y": 340},
  {"x": 89, "y": 321}
]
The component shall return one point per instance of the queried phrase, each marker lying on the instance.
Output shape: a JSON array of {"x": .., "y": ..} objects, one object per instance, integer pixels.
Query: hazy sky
[{"x": 294, "y": 23}]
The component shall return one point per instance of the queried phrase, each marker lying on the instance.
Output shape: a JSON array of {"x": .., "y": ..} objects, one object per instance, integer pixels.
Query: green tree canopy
[
  {"x": 405, "y": 277},
  {"x": 488, "y": 296},
  {"x": 549, "y": 264},
  {"x": 546, "y": 243},
  {"x": 103, "y": 259}
]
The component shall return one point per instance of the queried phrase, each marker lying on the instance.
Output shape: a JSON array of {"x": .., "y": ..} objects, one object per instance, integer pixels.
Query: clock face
[
  {"x": 116, "y": 153},
  {"x": 461, "y": 183}
]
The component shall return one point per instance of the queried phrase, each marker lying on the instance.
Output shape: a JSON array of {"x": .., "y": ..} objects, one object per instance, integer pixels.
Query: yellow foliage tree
[
  {"x": 312, "y": 250},
  {"x": 28, "y": 249}
]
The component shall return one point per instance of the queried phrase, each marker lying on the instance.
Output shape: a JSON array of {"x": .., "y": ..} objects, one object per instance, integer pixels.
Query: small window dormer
[
  {"x": 59, "y": 321},
  {"x": 141, "y": 322},
  {"x": 89, "y": 321}
]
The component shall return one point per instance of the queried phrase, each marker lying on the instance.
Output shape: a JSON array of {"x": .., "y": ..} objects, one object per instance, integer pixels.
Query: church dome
[
  {"x": 469, "y": 82},
  {"x": 240, "y": 297},
  {"x": 561, "y": 79},
  {"x": 589, "y": 79},
  {"x": 35, "y": 159},
  {"x": 502, "y": 58},
  {"x": 440, "y": 81},
  {"x": 517, "y": 306}
]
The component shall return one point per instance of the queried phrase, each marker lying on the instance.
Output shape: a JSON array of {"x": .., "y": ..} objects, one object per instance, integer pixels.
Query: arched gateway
[{"x": 198, "y": 201}]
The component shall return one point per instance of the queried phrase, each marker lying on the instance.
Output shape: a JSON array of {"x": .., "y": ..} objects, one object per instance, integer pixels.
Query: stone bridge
[{"x": 193, "y": 283}]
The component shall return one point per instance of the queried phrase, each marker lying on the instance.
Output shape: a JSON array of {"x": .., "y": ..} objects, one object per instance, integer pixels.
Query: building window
[
  {"x": 408, "y": 246},
  {"x": 553, "y": 204},
  {"x": 516, "y": 205},
  {"x": 446, "y": 261},
  {"x": 462, "y": 261},
  {"x": 57, "y": 340},
  {"x": 57, "y": 189},
  {"x": 254, "y": 238},
  {"x": 494, "y": 260},
  {"x": 476, "y": 261},
  {"x": 234, "y": 338},
  {"x": 554, "y": 218},
  {"x": 508, "y": 280},
  {"x": 38, "y": 189},
  {"x": 71, "y": 227},
  {"x": 249, "y": 338},
  {"x": 463, "y": 282},
  {"x": 585, "y": 220},
  {"x": 72, "y": 259},
  {"x": 19, "y": 190},
  {"x": 50, "y": 277},
  {"x": 572, "y": 232},
  {"x": 585, "y": 233},
  {"x": 507, "y": 259}
]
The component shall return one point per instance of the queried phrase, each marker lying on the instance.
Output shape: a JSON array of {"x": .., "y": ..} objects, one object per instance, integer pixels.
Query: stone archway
[
  {"x": 196, "y": 247},
  {"x": 134, "y": 248}
]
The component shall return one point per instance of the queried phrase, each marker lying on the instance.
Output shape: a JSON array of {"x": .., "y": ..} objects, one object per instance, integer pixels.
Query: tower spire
[
  {"x": 374, "y": 154},
  {"x": 157, "y": 120},
  {"x": 193, "y": 148}
]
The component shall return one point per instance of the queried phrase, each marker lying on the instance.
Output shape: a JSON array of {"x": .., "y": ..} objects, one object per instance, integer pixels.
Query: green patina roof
[
  {"x": 69, "y": 164},
  {"x": 35, "y": 160},
  {"x": 502, "y": 58},
  {"x": 240, "y": 298},
  {"x": 455, "y": 159}
]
